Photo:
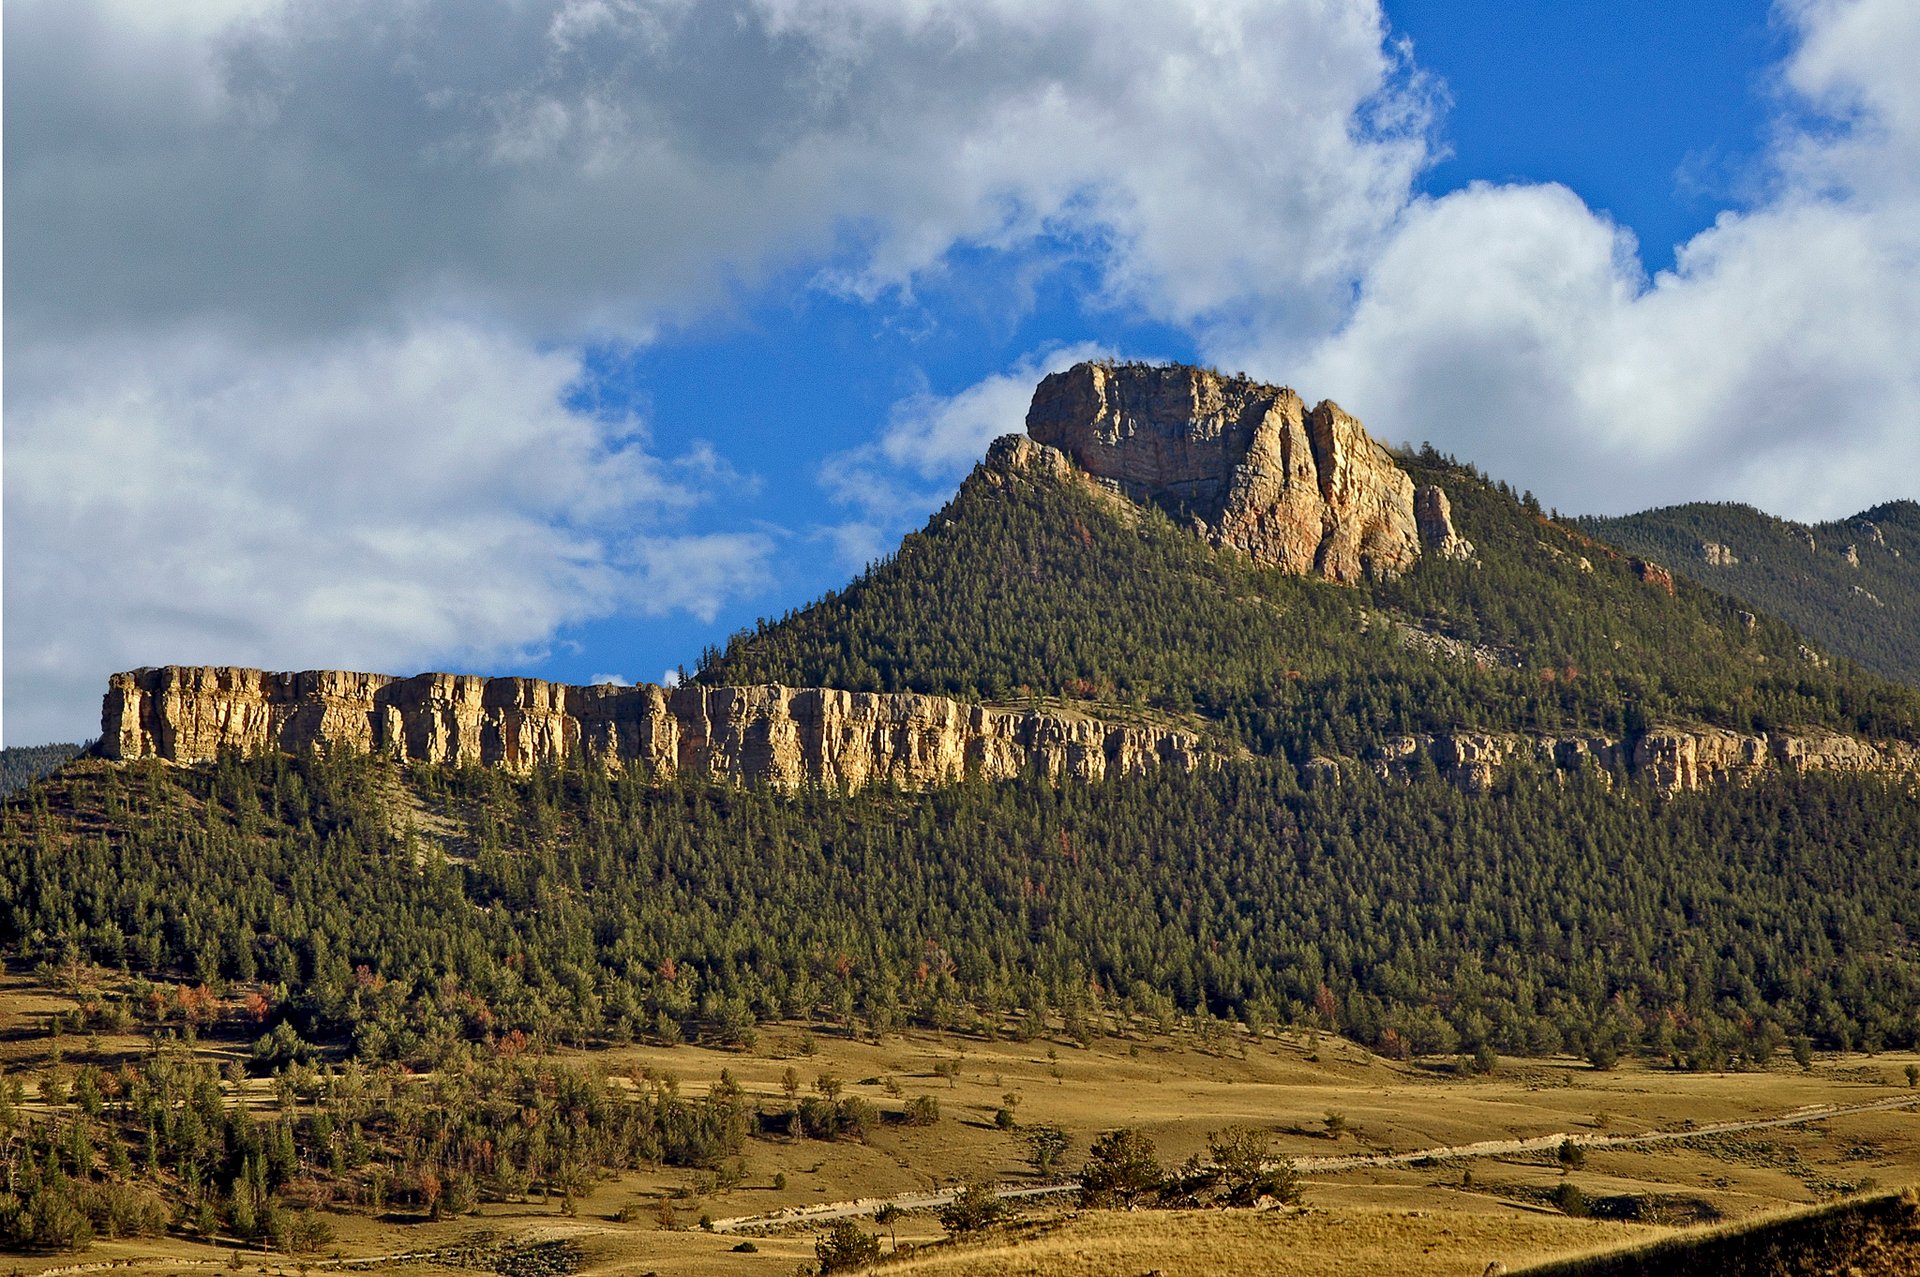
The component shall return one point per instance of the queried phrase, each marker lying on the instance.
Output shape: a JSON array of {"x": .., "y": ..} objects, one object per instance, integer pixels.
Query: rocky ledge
[
  {"x": 780, "y": 736},
  {"x": 1671, "y": 759},
  {"x": 1249, "y": 465}
]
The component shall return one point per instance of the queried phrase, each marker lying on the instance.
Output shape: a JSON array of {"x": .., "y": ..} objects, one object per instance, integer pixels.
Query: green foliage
[
  {"x": 1247, "y": 1171},
  {"x": 479, "y": 1129},
  {"x": 1867, "y": 609},
  {"x": 922, "y": 1110},
  {"x": 45, "y": 1216},
  {"x": 974, "y": 1207},
  {"x": 1568, "y": 1198},
  {"x": 1123, "y": 1167},
  {"x": 1046, "y": 1145},
  {"x": 846, "y": 1247},
  {"x": 1544, "y": 917}
]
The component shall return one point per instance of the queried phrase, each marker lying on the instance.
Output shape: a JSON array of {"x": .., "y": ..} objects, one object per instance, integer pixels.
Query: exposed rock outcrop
[
  {"x": 1717, "y": 555},
  {"x": 785, "y": 737},
  {"x": 1306, "y": 491},
  {"x": 1672, "y": 759},
  {"x": 1433, "y": 514},
  {"x": 1652, "y": 573}
]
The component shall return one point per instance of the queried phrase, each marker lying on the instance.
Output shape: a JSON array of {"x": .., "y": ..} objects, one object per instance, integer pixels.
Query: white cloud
[
  {"x": 1779, "y": 362},
  {"x": 380, "y": 502},
  {"x": 698, "y": 574},
  {"x": 296, "y": 175},
  {"x": 580, "y": 165},
  {"x": 329, "y": 479},
  {"x": 929, "y": 443}
]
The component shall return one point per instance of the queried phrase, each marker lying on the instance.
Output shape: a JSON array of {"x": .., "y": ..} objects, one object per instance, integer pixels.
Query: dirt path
[
  {"x": 1538, "y": 1143},
  {"x": 865, "y": 1206}
]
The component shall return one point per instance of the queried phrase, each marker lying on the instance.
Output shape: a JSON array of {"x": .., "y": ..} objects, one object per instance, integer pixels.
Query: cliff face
[
  {"x": 781, "y": 736},
  {"x": 1670, "y": 759},
  {"x": 1306, "y": 491}
]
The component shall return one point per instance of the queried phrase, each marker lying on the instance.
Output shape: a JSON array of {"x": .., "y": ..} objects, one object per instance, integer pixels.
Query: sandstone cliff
[
  {"x": 1433, "y": 514},
  {"x": 781, "y": 736},
  {"x": 1306, "y": 491},
  {"x": 1671, "y": 759}
]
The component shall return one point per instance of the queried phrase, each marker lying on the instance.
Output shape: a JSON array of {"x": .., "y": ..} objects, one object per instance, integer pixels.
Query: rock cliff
[
  {"x": 1671, "y": 759},
  {"x": 1303, "y": 490},
  {"x": 1433, "y": 514},
  {"x": 785, "y": 737}
]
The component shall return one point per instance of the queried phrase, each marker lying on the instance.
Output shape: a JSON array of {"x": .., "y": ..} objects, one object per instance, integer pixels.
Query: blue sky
[{"x": 562, "y": 337}]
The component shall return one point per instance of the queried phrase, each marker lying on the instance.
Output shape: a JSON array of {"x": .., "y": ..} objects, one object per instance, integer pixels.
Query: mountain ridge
[
  {"x": 1852, "y": 585},
  {"x": 784, "y": 737}
]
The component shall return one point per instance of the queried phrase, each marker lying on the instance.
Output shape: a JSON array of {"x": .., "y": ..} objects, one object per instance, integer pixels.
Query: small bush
[
  {"x": 845, "y": 1247},
  {"x": 922, "y": 1110},
  {"x": 1122, "y": 1167},
  {"x": 975, "y": 1207},
  {"x": 1570, "y": 1200}
]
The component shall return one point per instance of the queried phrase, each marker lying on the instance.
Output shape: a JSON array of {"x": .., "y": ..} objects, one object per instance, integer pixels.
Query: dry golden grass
[
  {"x": 1454, "y": 1216},
  {"x": 1349, "y": 1242}
]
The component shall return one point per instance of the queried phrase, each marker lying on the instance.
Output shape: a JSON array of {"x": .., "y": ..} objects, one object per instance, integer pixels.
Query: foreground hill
[{"x": 1853, "y": 585}]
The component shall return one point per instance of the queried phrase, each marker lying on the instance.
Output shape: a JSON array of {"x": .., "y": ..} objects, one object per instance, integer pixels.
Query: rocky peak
[{"x": 1304, "y": 490}]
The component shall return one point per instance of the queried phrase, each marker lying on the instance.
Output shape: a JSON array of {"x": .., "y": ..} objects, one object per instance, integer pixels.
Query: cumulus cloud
[
  {"x": 1778, "y": 362},
  {"x": 931, "y": 440},
  {"x": 383, "y": 501},
  {"x": 227, "y": 220},
  {"x": 602, "y": 163},
  {"x": 303, "y": 178}
]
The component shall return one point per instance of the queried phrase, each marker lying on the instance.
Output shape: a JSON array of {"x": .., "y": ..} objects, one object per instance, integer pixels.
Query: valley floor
[{"x": 1337, "y": 1110}]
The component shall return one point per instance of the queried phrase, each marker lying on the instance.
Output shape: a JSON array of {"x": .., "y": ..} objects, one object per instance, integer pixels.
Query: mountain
[
  {"x": 1194, "y": 705},
  {"x": 1118, "y": 575},
  {"x": 1481, "y": 781},
  {"x": 1853, "y": 586}
]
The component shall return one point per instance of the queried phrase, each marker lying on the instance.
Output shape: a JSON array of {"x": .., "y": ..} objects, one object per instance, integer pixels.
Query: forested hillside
[
  {"x": 407, "y": 913},
  {"x": 1026, "y": 585},
  {"x": 448, "y": 925},
  {"x": 1705, "y": 929},
  {"x": 1853, "y": 585}
]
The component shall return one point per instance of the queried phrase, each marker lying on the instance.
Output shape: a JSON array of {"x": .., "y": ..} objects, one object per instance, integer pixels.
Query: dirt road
[{"x": 865, "y": 1206}]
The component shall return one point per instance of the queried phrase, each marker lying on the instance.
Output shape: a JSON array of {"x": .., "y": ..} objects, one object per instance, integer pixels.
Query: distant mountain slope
[
  {"x": 1028, "y": 583},
  {"x": 21, "y": 765},
  {"x": 1853, "y": 586}
]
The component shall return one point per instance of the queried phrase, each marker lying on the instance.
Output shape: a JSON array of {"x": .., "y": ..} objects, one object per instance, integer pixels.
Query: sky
[{"x": 566, "y": 337}]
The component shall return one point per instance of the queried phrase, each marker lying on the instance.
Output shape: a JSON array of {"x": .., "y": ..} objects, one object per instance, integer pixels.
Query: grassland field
[{"x": 1446, "y": 1214}]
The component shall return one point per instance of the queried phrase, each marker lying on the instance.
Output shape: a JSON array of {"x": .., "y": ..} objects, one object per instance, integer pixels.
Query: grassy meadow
[{"x": 1319, "y": 1096}]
